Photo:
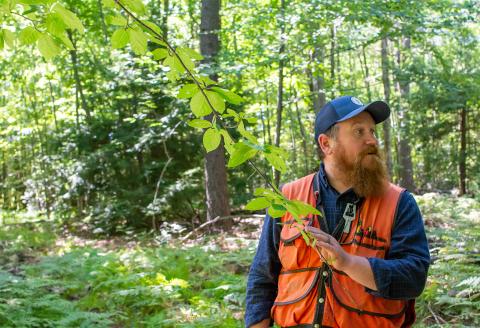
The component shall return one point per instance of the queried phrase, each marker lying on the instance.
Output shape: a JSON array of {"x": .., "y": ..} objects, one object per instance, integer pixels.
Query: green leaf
[
  {"x": 136, "y": 6},
  {"x": 276, "y": 211},
  {"x": 187, "y": 61},
  {"x": 229, "y": 96},
  {"x": 138, "y": 41},
  {"x": 241, "y": 153},
  {"x": 211, "y": 139},
  {"x": 55, "y": 24},
  {"x": 108, "y": 3},
  {"x": 174, "y": 63},
  {"x": 227, "y": 141},
  {"x": 9, "y": 38},
  {"x": 153, "y": 26},
  {"x": 192, "y": 53},
  {"x": 266, "y": 192},
  {"x": 276, "y": 161},
  {"x": 29, "y": 35},
  {"x": 69, "y": 18},
  {"x": 199, "y": 124},
  {"x": 293, "y": 210},
  {"x": 187, "y": 91},
  {"x": 47, "y": 46},
  {"x": 159, "y": 53},
  {"x": 251, "y": 120},
  {"x": 1, "y": 40},
  {"x": 158, "y": 41},
  {"x": 216, "y": 100},
  {"x": 206, "y": 80},
  {"x": 66, "y": 41},
  {"x": 116, "y": 20},
  {"x": 199, "y": 105},
  {"x": 173, "y": 75},
  {"x": 250, "y": 137},
  {"x": 305, "y": 237},
  {"x": 304, "y": 208},
  {"x": 120, "y": 38},
  {"x": 257, "y": 204}
]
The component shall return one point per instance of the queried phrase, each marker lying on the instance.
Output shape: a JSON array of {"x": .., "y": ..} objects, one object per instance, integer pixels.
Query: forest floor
[{"x": 50, "y": 278}]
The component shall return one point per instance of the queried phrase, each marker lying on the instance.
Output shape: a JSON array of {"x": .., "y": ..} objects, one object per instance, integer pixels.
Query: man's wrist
[{"x": 348, "y": 263}]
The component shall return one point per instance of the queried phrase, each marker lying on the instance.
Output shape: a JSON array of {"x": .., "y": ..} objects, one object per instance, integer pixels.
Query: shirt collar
[{"x": 322, "y": 177}]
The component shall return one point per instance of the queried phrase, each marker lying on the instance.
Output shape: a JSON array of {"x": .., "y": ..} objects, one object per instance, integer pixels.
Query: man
[{"x": 371, "y": 256}]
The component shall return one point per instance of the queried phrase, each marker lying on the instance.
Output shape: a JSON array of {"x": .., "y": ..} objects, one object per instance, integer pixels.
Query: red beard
[{"x": 368, "y": 174}]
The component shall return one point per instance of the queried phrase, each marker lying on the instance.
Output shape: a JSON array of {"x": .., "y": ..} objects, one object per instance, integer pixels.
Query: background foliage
[{"x": 102, "y": 133}]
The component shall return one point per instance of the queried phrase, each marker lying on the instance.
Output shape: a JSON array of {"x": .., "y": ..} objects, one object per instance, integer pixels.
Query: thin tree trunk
[
  {"x": 166, "y": 13},
  {"x": 78, "y": 82},
  {"x": 404, "y": 149},
  {"x": 54, "y": 109},
  {"x": 303, "y": 134},
  {"x": 215, "y": 170},
  {"x": 102, "y": 21},
  {"x": 386, "y": 92},
  {"x": 317, "y": 80},
  {"x": 366, "y": 76},
  {"x": 292, "y": 133},
  {"x": 267, "y": 108},
  {"x": 462, "y": 166},
  {"x": 281, "y": 65},
  {"x": 332, "y": 59}
]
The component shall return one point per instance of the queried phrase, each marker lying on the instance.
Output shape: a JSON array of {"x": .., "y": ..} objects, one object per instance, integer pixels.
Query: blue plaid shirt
[{"x": 401, "y": 275}]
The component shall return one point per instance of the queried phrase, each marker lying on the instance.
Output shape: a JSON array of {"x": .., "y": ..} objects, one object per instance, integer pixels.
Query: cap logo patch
[{"x": 356, "y": 101}]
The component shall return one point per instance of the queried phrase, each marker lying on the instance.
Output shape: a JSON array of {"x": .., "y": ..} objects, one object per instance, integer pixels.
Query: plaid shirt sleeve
[
  {"x": 263, "y": 275},
  {"x": 403, "y": 273}
]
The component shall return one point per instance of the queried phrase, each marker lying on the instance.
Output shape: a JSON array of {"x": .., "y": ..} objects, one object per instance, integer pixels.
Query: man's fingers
[{"x": 319, "y": 234}]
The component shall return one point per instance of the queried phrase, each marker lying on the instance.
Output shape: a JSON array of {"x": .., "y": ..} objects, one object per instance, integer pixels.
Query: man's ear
[{"x": 326, "y": 144}]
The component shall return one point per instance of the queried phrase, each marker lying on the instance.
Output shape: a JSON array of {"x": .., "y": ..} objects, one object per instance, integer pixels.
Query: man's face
[{"x": 356, "y": 153}]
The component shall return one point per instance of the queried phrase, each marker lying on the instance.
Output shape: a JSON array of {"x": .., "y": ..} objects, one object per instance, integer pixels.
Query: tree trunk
[
  {"x": 317, "y": 80},
  {"x": 267, "y": 108},
  {"x": 215, "y": 170},
  {"x": 404, "y": 149},
  {"x": 303, "y": 134},
  {"x": 281, "y": 64},
  {"x": 332, "y": 60},
  {"x": 366, "y": 75},
  {"x": 462, "y": 166},
  {"x": 166, "y": 13},
  {"x": 78, "y": 82},
  {"x": 386, "y": 92},
  {"x": 102, "y": 21}
]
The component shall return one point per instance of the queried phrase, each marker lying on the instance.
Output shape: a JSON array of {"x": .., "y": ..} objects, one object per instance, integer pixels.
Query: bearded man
[{"x": 371, "y": 257}]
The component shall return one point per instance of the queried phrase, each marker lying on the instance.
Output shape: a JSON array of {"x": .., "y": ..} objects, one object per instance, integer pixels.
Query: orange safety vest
[{"x": 312, "y": 295}]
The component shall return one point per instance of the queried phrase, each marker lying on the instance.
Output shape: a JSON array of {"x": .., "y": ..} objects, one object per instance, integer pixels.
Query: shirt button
[
  {"x": 316, "y": 325},
  {"x": 320, "y": 300},
  {"x": 325, "y": 273}
]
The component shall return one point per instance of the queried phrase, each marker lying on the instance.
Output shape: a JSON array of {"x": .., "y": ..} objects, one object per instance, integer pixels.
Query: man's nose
[{"x": 371, "y": 140}]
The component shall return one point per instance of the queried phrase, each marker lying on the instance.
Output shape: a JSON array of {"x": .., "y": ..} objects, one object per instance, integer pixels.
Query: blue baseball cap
[{"x": 345, "y": 107}]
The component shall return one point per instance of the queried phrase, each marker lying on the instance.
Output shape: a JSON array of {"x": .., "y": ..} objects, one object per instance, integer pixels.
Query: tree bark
[
  {"x": 78, "y": 82},
  {"x": 166, "y": 13},
  {"x": 317, "y": 80},
  {"x": 404, "y": 149},
  {"x": 366, "y": 75},
  {"x": 462, "y": 166},
  {"x": 332, "y": 59},
  {"x": 216, "y": 190},
  {"x": 281, "y": 64},
  {"x": 386, "y": 93},
  {"x": 303, "y": 134},
  {"x": 102, "y": 21}
]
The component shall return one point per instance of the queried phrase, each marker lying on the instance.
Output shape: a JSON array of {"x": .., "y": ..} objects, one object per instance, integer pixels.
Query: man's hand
[
  {"x": 356, "y": 267},
  {"x": 330, "y": 249}
]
